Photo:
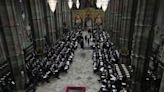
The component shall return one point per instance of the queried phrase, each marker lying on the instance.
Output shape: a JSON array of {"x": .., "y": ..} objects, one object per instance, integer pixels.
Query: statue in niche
[
  {"x": 78, "y": 21},
  {"x": 98, "y": 22},
  {"x": 88, "y": 22},
  {"x": 28, "y": 33}
]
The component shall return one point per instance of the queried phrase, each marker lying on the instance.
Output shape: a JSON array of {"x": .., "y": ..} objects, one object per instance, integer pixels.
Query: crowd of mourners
[
  {"x": 106, "y": 63},
  {"x": 7, "y": 83},
  {"x": 55, "y": 60}
]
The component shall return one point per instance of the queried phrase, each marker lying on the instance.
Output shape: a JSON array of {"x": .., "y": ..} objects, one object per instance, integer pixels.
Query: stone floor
[{"x": 79, "y": 74}]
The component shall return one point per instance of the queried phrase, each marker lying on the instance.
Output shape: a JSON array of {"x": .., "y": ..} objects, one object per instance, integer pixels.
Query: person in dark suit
[
  {"x": 82, "y": 43},
  {"x": 88, "y": 41},
  {"x": 85, "y": 37}
]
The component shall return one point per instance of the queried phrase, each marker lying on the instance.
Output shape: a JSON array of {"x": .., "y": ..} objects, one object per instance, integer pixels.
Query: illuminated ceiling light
[
  {"x": 52, "y": 4},
  {"x": 98, "y": 4},
  {"x": 104, "y": 5},
  {"x": 70, "y": 3},
  {"x": 77, "y": 4}
]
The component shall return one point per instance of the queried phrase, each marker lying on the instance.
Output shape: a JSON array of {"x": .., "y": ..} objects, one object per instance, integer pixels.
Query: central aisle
[{"x": 79, "y": 74}]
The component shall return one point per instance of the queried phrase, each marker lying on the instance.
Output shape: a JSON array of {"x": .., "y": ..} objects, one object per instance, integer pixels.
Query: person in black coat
[
  {"x": 85, "y": 37},
  {"x": 82, "y": 43},
  {"x": 88, "y": 41}
]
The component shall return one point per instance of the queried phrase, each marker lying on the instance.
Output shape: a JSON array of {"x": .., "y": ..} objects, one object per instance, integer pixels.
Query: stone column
[
  {"x": 25, "y": 35},
  {"x": 2, "y": 50},
  {"x": 66, "y": 14},
  {"x": 142, "y": 39},
  {"x": 106, "y": 18},
  {"x": 10, "y": 27},
  {"x": 38, "y": 23},
  {"x": 162, "y": 84},
  {"x": 115, "y": 23},
  {"x": 50, "y": 23},
  {"x": 111, "y": 18},
  {"x": 158, "y": 38},
  {"x": 125, "y": 18},
  {"x": 59, "y": 18},
  {"x": 118, "y": 28},
  {"x": 120, "y": 12}
]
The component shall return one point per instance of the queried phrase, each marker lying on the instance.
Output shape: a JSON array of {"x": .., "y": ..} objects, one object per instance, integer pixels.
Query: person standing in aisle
[
  {"x": 88, "y": 41},
  {"x": 85, "y": 37},
  {"x": 82, "y": 42}
]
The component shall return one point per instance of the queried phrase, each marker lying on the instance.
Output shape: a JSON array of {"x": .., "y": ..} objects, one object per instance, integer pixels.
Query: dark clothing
[
  {"x": 82, "y": 44},
  {"x": 85, "y": 38},
  {"x": 89, "y": 31},
  {"x": 88, "y": 41},
  {"x": 79, "y": 38}
]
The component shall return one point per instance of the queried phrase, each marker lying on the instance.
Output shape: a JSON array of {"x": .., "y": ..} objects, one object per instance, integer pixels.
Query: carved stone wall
[{"x": 87, "y": 12}]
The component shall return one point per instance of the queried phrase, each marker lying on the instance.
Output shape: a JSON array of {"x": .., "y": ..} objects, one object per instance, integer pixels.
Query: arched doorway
[{"x": 78, "y": 21}]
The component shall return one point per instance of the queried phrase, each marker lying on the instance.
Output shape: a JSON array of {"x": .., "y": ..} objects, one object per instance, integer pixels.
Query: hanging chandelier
[
  {"x": 70, "y": 3},
  {"x": 98, "y": 3},
  {"x": 77, "y": 4},
  {"x": 52, "y": 4},
  {"x": 104, "y": 4}
]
